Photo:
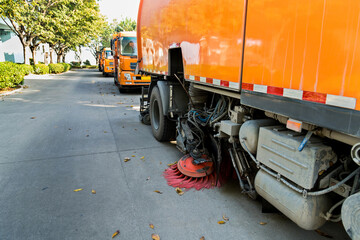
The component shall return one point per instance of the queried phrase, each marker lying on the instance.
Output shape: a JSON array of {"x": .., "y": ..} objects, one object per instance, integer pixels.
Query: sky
[{"x": 116, "y": 9}]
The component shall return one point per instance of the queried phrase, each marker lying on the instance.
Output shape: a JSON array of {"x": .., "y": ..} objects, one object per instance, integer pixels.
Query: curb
[{"x": 12, "y": 92}]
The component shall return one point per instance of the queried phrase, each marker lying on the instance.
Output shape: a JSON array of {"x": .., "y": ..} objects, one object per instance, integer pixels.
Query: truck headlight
[{"x": 127, "y": 76}]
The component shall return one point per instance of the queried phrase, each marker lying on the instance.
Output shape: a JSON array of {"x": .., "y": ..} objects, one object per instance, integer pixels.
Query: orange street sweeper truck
[{"x": 272, "y": 86}]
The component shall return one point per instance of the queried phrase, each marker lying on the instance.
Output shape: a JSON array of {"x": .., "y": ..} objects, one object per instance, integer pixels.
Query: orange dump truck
[
  {"x": 107, "y": 62},
  {"x": 276, "y": 83},
  {"x": 124, "y": 47}
]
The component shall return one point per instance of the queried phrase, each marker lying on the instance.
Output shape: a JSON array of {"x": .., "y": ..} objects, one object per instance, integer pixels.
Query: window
[{"x": 128, "y": 46}]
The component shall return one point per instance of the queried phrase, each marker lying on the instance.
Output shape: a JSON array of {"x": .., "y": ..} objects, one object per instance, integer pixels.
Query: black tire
[
  {"x": 122, "y": 89},
  {"x": 163, "y": 129}
]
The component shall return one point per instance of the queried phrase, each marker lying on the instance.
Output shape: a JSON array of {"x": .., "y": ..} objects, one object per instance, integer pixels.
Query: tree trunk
[
  {"x": 51, "y": 54},
  {"x": 63, "y": 58},
  {"x": 26, "y": 60},
  {"x": 59, "y": 55},
  {"x": 33, "y": 52}
]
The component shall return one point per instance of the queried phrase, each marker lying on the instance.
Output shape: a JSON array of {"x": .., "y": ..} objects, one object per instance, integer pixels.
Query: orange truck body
[
  {"x": 107, "y": 62},
  {"x": 125, "y": 61},
  {"x": 306, "y": 51}
]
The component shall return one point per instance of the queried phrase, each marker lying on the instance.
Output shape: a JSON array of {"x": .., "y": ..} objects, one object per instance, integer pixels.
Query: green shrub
[
  {"x": 87, "y": 62},
  {"x": 41, "y": 69},
  {"x": 76, "y": 64},
  {"x": 11, "y": 75},
  {"x": 56, "y": 68},
  {"x": 67, "y": 66},
  {"x": 26, "y": 69}
]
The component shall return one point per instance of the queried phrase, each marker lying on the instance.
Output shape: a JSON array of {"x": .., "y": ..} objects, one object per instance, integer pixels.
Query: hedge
[
  {"x": 11, "y": 74},
  {"x": 56, "y": 68},
  {"x": 67, "y": 66},
  {"x": 41, "y": 69},
  {"x": 26, "y": 69}
]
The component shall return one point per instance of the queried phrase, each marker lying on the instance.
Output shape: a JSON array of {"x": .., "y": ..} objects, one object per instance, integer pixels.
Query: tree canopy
[{"x": 64, "y": 24}]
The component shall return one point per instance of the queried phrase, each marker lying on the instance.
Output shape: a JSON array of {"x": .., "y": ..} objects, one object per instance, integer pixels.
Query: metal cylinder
[
  {"x": 350, "y": 214},
  {"x": 305, "y": 212},
  {"x": 355, "y": 153},
  {"x": 249, "y": 131}
]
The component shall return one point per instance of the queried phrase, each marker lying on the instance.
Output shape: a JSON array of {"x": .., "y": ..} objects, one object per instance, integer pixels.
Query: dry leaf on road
[
  {"x": 202, "y": 238},
  {"x": 225, "y": 218},
  {"x": 78, "y": 190},
  {"x": 127, "y": 159},
  {"x": 170, "y": 164},
  {"x": 157, "y": 191},
  {"x": 142, "y": 157},
  {"x": 133, "y": 156},
  {"x": 93, "y": 191},
  {"x": 263, "y": 223},
  {"x": 115, "y": 234},
  {"x": 148, "y": 178},
  {"x": 221, "y": 222},
  {"x": 179, "y": 191},
  {"x": 151, "y": 226},
  {"x": 32, "y": 117},
  {"x": 155, "y": 236}
]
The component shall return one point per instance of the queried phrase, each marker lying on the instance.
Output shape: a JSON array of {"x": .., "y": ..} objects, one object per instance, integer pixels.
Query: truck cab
[
  {"x": 107, "y": 62},
  {"x": 125, "y": 53}
]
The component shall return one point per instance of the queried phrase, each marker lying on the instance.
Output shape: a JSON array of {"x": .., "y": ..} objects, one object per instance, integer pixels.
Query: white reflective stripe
[
  {"x": 234, "y": 85},
  {"x": 291, "y": 93},
  {"x": 202, "y": 79},
  {"x": 216, "y": 81},
  {"x": 192, "y": 77},
  {"x": 340, "y": 101},
  {"x": 260, "y": 88}
]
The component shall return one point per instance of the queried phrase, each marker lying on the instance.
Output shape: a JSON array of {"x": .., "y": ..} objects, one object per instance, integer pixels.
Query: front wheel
[{"x": 163, "y": 129}]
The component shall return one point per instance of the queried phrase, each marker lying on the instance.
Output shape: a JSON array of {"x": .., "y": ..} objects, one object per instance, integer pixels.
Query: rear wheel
[{"x": 163, "y": 129}]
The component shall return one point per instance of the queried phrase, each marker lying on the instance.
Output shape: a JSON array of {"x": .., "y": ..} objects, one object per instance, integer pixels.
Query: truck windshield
[
  {"x": 108, "y": 55},
  {"x": 128, "y": 46}
]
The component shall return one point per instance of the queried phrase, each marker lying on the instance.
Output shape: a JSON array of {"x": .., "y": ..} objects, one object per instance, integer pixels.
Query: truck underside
[{"x": 311, "y": 173}]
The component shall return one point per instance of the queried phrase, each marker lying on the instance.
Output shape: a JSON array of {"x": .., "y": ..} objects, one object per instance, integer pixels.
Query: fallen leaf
[
  {"x": 202, "y": 238},
  {"x": 115, "y": 234},
  {"x": 323, "y": 234},
  {"x": 142, "y": 157},
  {"x": 119, "y": 103},
  {"x": 133, "y": 156},
  {"x": 157, "y": 191},
  {"x": 226, "y": 219},
  {"x": 179, "y": 191},
  {"x": 151, "y": 226},
  {"x": 127, "y": 159},
  {"x": 170, "y": 164},
  {"x": 78, "y": 190},
  {"x": 69, "y": 129},
  {"x": 93, "y": 191},
  {"x": 87, "y": 135},
  {"x": 105, "y": 131},
  {"x": 160, "y": 163},
  {"x": 148, "y": 178},
  {"x": 155, "y": 236},
  {"x": 131, "y": 105},
  {"x": 32, "y": 117},
  {"x": 263, "y": 223},
  {"x": 221, "y": 222}
]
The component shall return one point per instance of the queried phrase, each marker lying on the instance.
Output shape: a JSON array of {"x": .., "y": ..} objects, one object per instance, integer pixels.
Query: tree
[
  {"x": 22, "y": 16},
  {"x": 72, "y": 26},
  {"x": 108, "y": 29}
]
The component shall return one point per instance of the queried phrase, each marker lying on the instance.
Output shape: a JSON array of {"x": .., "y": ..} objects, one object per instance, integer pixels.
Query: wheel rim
[{"x": 155, "y": 115}]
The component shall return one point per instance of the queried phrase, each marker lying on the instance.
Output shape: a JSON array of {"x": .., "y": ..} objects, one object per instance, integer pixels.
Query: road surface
[{"x": 73, "y": 131}]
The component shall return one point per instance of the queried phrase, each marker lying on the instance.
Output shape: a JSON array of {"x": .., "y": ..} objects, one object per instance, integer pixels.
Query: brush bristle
[{"x": 175, "y": 178}]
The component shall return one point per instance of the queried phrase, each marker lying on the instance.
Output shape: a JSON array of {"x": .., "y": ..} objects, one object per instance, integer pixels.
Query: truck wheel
[
  {"x": 122, "y": 89},
  {"x": 163, "y": 129}
]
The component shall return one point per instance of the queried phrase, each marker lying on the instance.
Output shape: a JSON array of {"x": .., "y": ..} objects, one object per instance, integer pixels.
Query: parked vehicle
[
  {"x": 124, "y": 48},
  {"x": 273, "y": 86},
  {"x": 107, "y": 61}
]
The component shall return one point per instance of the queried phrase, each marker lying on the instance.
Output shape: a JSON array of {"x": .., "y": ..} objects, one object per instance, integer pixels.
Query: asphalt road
[{"x": 73, "y": 131}]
